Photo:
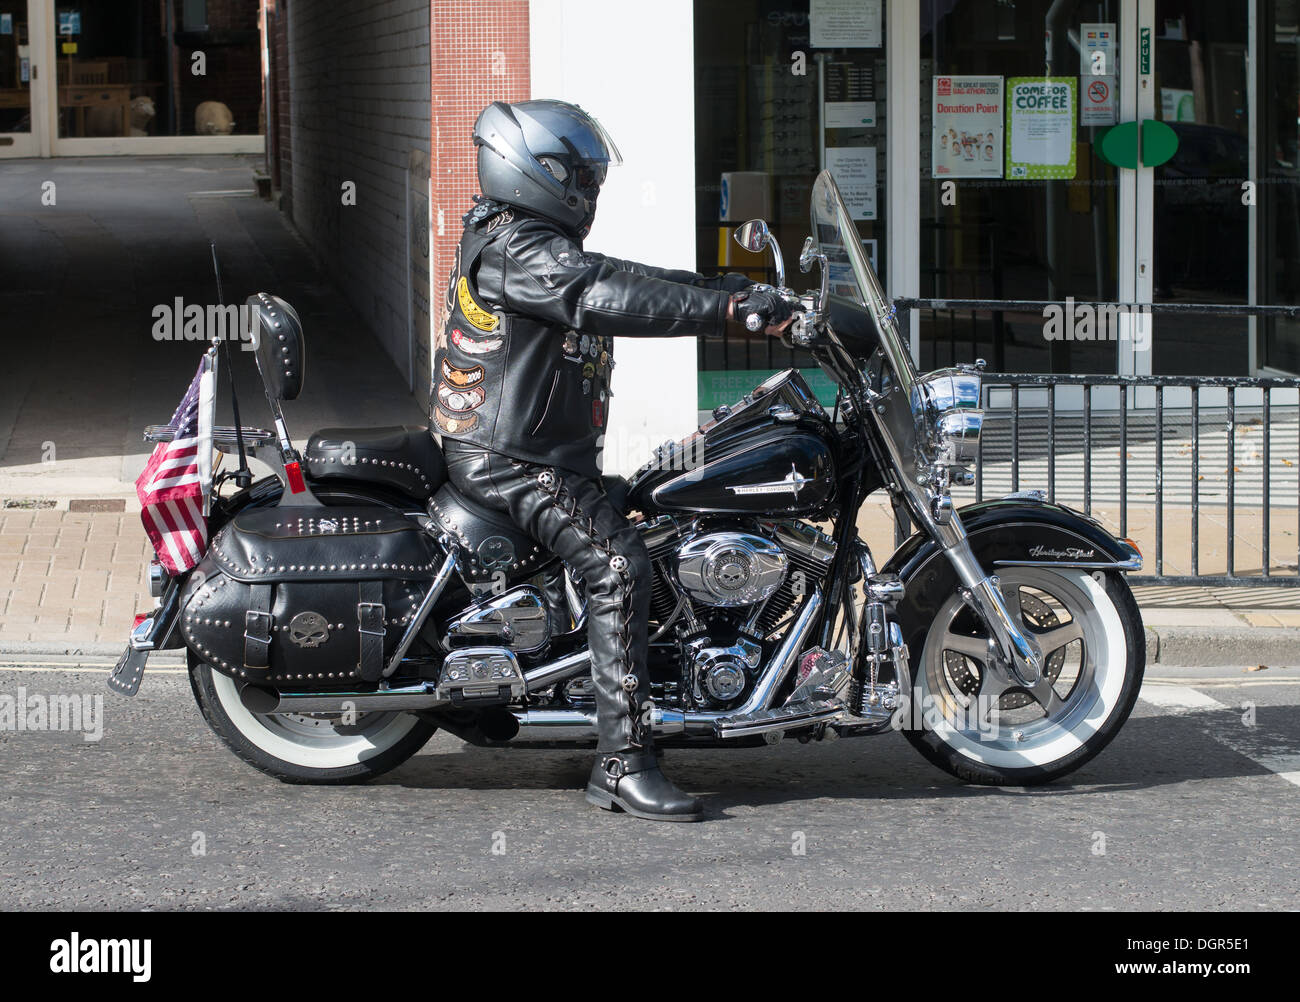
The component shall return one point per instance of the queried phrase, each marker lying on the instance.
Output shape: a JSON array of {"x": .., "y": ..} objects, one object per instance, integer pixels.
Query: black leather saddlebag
[{"x": 308, "y": 597}]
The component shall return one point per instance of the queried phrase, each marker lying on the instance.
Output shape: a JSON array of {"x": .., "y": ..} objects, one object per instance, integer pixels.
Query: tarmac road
[{"x": 1191, "y": 807}]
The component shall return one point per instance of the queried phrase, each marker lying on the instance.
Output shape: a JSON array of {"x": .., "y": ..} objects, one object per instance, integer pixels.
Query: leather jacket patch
[
  {"x": 470, "y": 346},
  {"x": 461, "y": 377},
  {"x": 484, "y": 320},
  {"x": 450, "y": 424},
  {"x": 460, "y": 400}
]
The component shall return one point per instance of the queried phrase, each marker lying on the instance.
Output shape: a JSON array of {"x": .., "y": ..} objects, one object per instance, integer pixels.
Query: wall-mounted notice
[
  {"x": 850, "y": 114},
  {"x": 1041, "y": 141},
  {"x": 854, "y": 170},
  {"x": 966, "y": 135},
  {"x": 845, "y": 24}
]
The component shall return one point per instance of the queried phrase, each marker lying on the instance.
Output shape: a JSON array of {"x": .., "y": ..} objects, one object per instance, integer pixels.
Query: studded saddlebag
[{"x": 308, "y": 597}]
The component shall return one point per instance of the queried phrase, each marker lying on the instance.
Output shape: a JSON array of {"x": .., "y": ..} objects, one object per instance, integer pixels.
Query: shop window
[
  {"x": 1014, "y": 207},
  {"x": 148, "y": 68},
  {"x": 770, "y": 111}
]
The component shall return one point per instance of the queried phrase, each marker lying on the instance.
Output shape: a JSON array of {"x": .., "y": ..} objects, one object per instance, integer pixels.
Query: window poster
[
  {"x": 966, "y": 129},
  {"x": 1042, "y": 117},
  {"x": 845, "y": 24},
  {"x": 854, "y": 170}
]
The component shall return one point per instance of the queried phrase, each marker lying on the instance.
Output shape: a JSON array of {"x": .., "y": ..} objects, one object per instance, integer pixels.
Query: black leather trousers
[{"x": 570, "y": 515}]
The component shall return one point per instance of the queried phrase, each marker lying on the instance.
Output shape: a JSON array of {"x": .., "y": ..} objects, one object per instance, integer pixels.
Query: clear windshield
[{"x": 851, "y": 274}]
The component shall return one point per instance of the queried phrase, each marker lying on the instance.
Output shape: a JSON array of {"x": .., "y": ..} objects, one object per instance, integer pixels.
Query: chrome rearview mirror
[{"x": 755, "y": 237}]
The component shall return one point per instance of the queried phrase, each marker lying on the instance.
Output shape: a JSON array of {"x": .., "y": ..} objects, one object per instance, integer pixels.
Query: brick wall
[
  {"x": 358, "y": 103},
  {"x": 480, "y": 56}
]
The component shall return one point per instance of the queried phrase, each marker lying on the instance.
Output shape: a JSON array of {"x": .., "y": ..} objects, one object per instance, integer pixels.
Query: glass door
[
  {"x": 1279, "y": 169},
  {"x": 20, "y": 65},
  {"x": 1200, "y": 206}
]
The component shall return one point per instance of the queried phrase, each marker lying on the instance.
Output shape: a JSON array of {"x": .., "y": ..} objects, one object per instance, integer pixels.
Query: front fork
[{"x": 1012, "y": 652}]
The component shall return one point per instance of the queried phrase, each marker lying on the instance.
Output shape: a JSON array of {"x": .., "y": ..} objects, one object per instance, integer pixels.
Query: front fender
[{"x": 1003, "y": 533}]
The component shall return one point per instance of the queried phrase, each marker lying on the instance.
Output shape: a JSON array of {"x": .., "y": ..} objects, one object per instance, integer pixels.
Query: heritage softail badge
[
  {"x": 1069, "y": 553},
  {"x": 793, "y": 484}
]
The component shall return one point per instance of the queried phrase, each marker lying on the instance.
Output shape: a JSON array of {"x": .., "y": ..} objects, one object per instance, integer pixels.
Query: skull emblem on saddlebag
[{"x": 309, "y": 629}]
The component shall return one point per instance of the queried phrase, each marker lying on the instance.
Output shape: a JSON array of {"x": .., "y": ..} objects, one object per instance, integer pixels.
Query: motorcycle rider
[{"x": 522, "y": 390}]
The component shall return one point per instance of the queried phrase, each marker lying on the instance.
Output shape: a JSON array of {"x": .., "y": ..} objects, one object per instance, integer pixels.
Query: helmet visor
[{"x": 611, "y": 150}]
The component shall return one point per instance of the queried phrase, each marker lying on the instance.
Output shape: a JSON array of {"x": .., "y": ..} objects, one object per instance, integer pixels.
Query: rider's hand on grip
[{"x": 761, "y": 308}]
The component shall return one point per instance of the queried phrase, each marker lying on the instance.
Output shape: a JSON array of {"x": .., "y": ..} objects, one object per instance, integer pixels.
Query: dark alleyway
[{"x": 82, "y": 373}]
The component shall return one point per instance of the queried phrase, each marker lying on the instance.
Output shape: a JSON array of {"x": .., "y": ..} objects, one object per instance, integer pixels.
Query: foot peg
[{"x": 782, "y": 718}]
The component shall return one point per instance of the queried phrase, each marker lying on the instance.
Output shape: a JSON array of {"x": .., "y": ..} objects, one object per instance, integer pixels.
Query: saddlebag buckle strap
[
  {"x": 370, "y": 628},
  {"x": 258, "y": 624}
]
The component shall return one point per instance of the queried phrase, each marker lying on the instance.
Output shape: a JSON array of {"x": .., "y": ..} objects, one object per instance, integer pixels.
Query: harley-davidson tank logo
[
  {"x": 462, "y": 377},
  {"x": 792, "y": 484},
  {"x": 495, "y": 552},
  {"x": 450, "y": 424},
  {"x": 309, "y": 629},
  {"x": 1069, "y": 553},
  {"x": 471, "y": 347},
  {"x": 475, "y": 314},
  {"x": 460, "y": 400}
]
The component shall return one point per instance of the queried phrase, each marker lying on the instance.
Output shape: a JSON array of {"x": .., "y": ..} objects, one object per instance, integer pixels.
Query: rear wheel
[
  {"x": 966, "y": 720},
  {"x": 319, "y": 748}
]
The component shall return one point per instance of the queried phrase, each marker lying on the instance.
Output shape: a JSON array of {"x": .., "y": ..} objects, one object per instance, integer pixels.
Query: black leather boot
[{"x": 630, "y": 781}]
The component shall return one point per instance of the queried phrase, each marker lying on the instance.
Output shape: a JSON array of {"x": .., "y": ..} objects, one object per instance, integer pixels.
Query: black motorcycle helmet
[{"x": 546, "y": 157}]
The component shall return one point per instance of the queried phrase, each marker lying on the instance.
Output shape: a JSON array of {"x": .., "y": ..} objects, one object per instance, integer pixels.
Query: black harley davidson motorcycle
[{"x": 352, "y": 604}]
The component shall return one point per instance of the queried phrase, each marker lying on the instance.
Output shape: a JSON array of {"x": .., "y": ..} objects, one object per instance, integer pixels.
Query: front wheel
[
  {"x": 320, "y": 748},
  {"x": 968, "y": 722}
]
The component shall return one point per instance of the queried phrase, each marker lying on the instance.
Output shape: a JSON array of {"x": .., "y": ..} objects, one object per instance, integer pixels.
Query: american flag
[{"x": 174, "y": 487}]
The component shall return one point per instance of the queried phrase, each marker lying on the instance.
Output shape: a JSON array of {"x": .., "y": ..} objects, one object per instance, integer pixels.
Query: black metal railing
[{"x": 1215, "y": 424}]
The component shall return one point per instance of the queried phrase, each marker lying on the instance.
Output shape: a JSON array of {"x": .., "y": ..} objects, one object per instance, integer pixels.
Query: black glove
[{"x": 760, "y": 307}]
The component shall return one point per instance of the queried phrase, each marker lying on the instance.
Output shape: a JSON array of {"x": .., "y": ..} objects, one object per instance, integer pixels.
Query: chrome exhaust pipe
[
  {"x": 580, "y": 725},
  {"x": 556, "y": 671},
  {"x": 415, "y": 697}
]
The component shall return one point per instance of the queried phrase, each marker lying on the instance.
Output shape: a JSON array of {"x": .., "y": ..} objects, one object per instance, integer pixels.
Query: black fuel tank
[{"x": 771, "y": 454}]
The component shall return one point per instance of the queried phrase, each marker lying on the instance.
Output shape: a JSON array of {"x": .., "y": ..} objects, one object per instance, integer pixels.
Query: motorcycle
[{"x": 354, "y": 602}]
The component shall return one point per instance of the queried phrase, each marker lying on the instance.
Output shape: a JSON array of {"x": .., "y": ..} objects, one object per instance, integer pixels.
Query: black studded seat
[{"x": 405, "y": 458}]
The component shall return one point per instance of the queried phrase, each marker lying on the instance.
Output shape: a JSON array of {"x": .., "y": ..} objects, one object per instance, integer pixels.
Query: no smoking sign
[{"x": 1097, "y": 104}]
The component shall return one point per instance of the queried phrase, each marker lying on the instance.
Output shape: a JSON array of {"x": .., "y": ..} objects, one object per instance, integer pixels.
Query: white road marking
[
  {"x": 1179, "y": 697},
  {"x": 1185, "y": 699}
]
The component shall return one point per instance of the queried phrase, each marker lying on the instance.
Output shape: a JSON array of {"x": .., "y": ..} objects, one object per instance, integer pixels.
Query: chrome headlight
[
  {"x": 949, "y": 402},
  {"x": 957, "y": 437}
]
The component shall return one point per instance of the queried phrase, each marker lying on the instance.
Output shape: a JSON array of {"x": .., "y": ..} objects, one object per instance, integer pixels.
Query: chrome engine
[
  {"x": 730, "y": 569},
  {"x": 516, "y": 619},
  {"x": 723, "y": 590}
]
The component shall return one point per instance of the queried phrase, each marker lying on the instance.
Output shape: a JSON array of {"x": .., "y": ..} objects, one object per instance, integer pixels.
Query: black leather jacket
[{"x": 523, "y": 365}]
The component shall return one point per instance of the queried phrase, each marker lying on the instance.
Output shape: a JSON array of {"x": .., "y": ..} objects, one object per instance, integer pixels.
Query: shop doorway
[{"x": 21, "y": 43}]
